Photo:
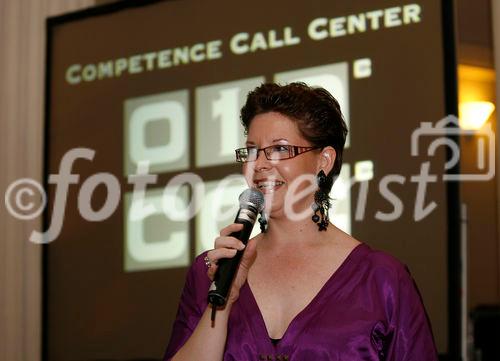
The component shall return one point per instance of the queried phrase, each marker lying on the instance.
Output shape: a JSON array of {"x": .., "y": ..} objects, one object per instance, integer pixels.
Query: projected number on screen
[
  {"x": 156, "y": 130},
  {"x": 218, "y": 130}
]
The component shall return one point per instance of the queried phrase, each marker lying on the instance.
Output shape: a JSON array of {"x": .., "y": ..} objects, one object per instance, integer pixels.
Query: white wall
[{"x": 22, "y": 64}]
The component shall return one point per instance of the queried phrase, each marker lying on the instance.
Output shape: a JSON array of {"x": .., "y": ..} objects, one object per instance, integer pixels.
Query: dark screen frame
[{"x": 452, "y": 188}]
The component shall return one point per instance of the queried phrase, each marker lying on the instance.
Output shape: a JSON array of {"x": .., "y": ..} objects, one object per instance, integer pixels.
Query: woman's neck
[{"x": 285, "y": 232}]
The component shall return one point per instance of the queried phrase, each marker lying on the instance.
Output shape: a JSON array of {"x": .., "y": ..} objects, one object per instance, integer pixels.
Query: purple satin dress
[{"x": 369, "y": 309}]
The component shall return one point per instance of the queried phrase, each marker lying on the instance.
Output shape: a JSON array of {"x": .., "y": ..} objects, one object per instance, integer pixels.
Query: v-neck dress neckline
[
  {"x": 328, "y": 287},
  {"x": 369, "y": 309}
]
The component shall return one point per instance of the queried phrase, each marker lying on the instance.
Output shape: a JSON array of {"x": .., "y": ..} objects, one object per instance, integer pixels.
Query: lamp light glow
[{"x": 474, "y": 114}]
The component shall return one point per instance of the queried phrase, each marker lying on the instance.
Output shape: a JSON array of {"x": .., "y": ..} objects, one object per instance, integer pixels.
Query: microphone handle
[{"x": 227, "y": 268}]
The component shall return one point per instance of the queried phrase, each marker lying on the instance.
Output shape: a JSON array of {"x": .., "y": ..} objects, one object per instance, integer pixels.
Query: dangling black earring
[
  {"x": 263, "y": 222},
  {"x": 321, "y": 202}
]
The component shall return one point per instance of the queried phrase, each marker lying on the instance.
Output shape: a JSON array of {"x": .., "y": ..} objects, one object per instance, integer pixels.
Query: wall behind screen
[{"x": 124, "y": 85}]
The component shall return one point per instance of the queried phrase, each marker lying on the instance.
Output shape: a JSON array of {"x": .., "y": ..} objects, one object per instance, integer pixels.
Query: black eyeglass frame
[{"x": 293, "y": 151}]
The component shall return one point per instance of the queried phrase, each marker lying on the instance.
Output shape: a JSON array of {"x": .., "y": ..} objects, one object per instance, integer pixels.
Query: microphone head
[{"x": 252, "y": 197}]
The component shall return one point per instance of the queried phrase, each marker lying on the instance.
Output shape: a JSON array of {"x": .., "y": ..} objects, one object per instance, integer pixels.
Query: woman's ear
[{"x": 327, "y": 159}]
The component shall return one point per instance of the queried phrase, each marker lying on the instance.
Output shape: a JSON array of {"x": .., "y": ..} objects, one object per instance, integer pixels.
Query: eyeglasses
[{"x": 273, "y": 152}]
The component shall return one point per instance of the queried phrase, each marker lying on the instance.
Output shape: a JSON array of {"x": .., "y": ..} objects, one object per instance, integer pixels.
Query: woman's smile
[{"x": 268, "y": 185}]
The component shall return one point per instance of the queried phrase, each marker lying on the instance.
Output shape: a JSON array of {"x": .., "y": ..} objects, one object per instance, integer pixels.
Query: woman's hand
[{"x": 226, "y": 247}]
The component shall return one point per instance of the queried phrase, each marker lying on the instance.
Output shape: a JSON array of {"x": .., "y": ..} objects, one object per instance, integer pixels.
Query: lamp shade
[{"x": 474, "y": 114}]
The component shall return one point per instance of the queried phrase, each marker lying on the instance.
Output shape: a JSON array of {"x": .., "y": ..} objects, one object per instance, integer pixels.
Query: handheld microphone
[{"x": 251, "y": 204}]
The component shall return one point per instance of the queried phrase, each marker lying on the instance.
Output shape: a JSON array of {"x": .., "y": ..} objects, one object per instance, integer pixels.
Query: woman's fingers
[
  {"x": 211, "y": 271},
  {"x": 229, "y": 242},
  {"x": 225, "y": 247},
  {"x": 218, "y": 253},
  {"x": 215, "y": 255},
  {"x": 226, "y": 231}
]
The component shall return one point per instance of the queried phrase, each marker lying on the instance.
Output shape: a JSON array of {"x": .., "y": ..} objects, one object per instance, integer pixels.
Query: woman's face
[{"x": 275, "y": 178}]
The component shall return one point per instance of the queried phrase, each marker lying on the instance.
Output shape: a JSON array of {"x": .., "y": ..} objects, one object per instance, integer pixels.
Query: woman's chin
[{"x": 299, "y": 213}]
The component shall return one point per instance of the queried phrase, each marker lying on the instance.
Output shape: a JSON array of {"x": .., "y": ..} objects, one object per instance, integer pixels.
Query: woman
[{"x": 304, "y": 290}]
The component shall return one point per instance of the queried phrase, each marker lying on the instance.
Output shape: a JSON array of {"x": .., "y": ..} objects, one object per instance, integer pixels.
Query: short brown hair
[{"x": 315, "y": 110}]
